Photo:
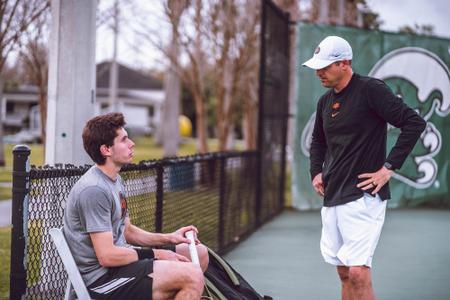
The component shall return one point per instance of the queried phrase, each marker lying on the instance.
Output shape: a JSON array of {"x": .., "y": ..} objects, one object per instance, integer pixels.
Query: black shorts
[{"x": 125, "y": 282}]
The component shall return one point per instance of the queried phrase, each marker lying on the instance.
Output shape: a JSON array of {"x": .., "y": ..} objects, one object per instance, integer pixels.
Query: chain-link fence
[{"x": 215, "y": 192}]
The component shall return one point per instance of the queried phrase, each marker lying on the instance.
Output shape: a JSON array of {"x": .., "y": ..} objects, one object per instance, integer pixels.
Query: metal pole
[
  {"x": 159, "y": 198},
  {"x": 113, "y": 71},
  {"x": 222, "y": 191},
  {"x": 71, "y": 80},
  {"x": 21, "y": 168},
  {"x": 262, "y": 69},
  {"x": 284, "y": 119}
]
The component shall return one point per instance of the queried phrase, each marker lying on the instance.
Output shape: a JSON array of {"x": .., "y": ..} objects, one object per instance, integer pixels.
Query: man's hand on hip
[
  {"x": 318, "y": 184},
  {"x": 375, "y": 180}
]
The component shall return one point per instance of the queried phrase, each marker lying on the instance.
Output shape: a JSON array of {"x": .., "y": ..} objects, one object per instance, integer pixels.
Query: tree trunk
[
  {"x": 200, "y": 123},
  {"x": 171, "y": 110},
  {"x": 2, "y": 147}
]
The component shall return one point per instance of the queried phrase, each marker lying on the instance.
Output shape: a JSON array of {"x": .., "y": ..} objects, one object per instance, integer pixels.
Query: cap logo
[{"x": 317, "y": 50}]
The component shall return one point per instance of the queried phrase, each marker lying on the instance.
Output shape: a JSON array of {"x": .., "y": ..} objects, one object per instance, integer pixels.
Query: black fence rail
[{"x": 216, "y": 192}]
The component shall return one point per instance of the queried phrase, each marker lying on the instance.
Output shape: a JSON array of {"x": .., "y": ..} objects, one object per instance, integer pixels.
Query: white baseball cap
[{"x": 330, "y": 50}]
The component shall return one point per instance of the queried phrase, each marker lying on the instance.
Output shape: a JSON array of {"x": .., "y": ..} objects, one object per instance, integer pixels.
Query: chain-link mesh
[{"x": 215, "y": 192}]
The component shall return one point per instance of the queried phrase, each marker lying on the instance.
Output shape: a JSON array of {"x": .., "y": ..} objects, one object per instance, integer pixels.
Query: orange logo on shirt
[
  {"x": 336, "y": 105},
  {"x": 123, "y": 204}
]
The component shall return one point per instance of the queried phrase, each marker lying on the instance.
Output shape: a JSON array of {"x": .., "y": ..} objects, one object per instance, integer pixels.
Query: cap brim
[{"x": 317, "y": 64}]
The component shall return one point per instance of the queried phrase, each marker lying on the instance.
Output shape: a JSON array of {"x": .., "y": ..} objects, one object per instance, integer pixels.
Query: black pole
[
  {"x": 222, "y": 192},
  {"x": 159, "y": 198},
  {"x": 20, "y": 184},
  {"x": 284, "y": 127},
  {"x": 260, "y": 142}
]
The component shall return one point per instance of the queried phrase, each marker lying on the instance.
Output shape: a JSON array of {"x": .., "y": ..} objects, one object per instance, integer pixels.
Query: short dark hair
[{"x": 99, "y": 131}]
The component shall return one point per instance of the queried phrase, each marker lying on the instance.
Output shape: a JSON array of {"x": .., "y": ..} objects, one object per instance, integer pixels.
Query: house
[{"x": 139, "y": 97}]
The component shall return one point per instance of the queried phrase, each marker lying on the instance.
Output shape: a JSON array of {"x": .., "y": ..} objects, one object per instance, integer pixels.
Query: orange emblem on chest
[{"x": 336, "y": 105}]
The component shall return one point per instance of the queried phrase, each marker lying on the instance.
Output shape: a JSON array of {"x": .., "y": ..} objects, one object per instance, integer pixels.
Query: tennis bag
[{"x": 222, "y": 282}]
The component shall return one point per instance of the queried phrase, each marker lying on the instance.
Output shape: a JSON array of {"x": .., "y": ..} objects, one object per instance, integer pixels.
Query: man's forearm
[
  {"x": 139, "y": 237},
  {"x": 117, "y": 256}
]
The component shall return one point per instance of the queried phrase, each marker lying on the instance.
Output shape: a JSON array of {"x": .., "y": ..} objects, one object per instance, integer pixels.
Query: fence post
[
  {"x": 159, "y": 197},
  {"x": 222, "y": 217},
  {"x": 261, "y": 112},
  {"x": 20, "y": 185}
]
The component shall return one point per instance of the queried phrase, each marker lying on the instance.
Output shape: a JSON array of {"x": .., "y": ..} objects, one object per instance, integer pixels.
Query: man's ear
[{"x": 105, "y": 151}]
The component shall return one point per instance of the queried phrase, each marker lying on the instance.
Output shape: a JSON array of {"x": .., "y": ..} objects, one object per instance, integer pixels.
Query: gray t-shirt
[{"x": 95, "y": 204}]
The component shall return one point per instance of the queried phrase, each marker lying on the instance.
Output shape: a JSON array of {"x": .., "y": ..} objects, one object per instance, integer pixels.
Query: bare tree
[
  {"x": 235, "y": 40},
  {"x": 228, "y": 31},
  {"x": 16, "y": 16},
  {"x": 353, "y": 13},
  {"x": 34, "y": 57},
  {"x": 192, "y": 74},
  {"x": 424, "y": 29}
]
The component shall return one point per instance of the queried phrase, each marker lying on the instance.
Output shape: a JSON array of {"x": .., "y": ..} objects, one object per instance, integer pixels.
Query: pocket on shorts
[{"x": 375, "y": 207}]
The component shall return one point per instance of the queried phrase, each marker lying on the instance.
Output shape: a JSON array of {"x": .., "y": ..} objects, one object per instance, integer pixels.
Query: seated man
[{"x": 99, "y": 233}]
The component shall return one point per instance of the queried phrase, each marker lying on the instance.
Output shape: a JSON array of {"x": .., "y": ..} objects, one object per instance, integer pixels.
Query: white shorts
[{"x": 350, "y": 231}]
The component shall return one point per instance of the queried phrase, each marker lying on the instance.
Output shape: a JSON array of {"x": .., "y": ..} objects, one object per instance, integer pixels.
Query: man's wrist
[
  {"x": 389, "y": 166},
  {"x": 145, "y": 253}
]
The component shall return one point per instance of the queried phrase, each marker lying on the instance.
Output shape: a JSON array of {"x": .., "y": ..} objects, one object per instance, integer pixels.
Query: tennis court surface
[{"x": 412, "y": 260}]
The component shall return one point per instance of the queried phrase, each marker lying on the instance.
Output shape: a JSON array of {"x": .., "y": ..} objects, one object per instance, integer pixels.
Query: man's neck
[
  {"x": 344, "y": 82},
  {"x": 110, "y": 170}
]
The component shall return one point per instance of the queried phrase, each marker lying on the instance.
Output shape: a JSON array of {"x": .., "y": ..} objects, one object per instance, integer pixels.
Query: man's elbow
[{"x": 105, "y": 260}]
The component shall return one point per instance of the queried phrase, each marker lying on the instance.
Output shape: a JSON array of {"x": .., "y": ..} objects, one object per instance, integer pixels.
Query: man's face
[
  {"x": 122, "y": 150},
  {"x": 331, "y": 75}
]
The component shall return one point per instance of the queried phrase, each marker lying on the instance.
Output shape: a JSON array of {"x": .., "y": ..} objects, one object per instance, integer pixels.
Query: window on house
[{"x": 9, "y": 107}]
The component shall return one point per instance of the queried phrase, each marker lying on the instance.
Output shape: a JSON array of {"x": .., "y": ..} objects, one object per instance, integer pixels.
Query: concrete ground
[
  {"x": 5, "y": 213},
  {"x": 412, "y": 260}
]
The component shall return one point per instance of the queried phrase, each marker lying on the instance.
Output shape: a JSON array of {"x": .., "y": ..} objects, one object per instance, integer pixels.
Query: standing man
[
  {"x": 99, "y": 233},
  {"x": 349, "y": 167}
]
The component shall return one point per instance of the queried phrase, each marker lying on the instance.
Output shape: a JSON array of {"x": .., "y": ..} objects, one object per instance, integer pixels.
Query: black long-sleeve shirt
[{"x": 349, "y": 136}]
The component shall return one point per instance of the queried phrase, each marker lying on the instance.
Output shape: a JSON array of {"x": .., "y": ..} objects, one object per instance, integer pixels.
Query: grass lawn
[
  {"x": 145, "y": 149},
  {"x": 5, "y": 246}
]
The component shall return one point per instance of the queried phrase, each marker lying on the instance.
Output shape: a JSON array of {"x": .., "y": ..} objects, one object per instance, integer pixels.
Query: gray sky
[{"x": 396, "y": 13}]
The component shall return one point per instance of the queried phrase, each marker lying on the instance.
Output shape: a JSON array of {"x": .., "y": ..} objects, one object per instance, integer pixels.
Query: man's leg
[
  {"x": 202, "y": 251},
  {"x": 361, "y": 283},
  {"x": 176, "y": 280},
  {"x": 345, "y": 283}
]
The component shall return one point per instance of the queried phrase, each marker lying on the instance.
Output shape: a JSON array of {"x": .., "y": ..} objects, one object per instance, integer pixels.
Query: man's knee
[
  {"x": 194, "y": 277},
  {"x": 203, "y": 256},
  {"x": 169, "y": 277},
  {"x": 359, "y": 276},
  {"x": 343, "y": 273}
]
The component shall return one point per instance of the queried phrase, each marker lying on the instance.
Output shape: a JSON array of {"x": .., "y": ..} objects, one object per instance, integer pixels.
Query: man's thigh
[
  {"x": 125, "y": 282},
  {"x": 360, "y": 224},
  {"x": 169, "y": 277}
]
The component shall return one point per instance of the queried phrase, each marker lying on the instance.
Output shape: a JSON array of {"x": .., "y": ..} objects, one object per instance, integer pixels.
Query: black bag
[{"x": 224, "y": 283}]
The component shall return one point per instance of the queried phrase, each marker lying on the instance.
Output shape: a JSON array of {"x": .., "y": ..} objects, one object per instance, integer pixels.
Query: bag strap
[
  {"x": 226, "y": 267},
  {"x": 214, "y": 290}
]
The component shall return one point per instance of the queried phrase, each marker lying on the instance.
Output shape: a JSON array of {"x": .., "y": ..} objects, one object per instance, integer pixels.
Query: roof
[{"x": 128, "y": 78}]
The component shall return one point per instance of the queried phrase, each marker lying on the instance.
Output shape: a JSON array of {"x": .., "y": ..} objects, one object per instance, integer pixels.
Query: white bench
[{"x": 75, "y": 278}]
